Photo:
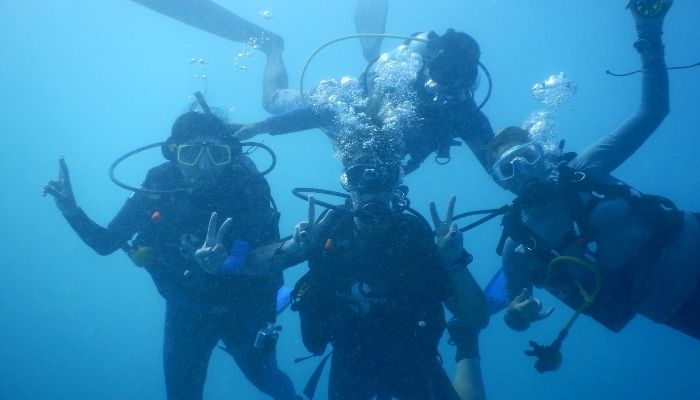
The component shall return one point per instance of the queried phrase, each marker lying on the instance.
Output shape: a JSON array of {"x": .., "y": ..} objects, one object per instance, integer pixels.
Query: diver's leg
[
  {"x": 187, "y": 346},
  {"x": 370, "y": 17},
  {"x": 260, "y": 367},
  {"x": 277, "y": 97}
]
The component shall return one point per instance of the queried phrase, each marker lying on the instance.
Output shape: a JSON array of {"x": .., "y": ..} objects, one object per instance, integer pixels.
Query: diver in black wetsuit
[
  {"x": 207, "y": 298},
  {"x": 375, "y": 286},
  {"x": 442, "y": 95}
]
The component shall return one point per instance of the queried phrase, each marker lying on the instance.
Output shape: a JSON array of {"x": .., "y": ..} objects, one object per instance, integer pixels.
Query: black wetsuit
[
  {"x": 201, "y": 308},
  {"x": 379, "y": 303}
]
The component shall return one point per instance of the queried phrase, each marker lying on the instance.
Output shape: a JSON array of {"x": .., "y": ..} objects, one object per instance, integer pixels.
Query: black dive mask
[
  {"x": 370, "y": 177},
  {"x": 450, "y": 71}
]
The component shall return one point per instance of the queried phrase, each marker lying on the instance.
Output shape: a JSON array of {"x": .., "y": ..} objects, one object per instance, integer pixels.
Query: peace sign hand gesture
[
  {"x": 213, "y": 253},
  {"x": 449, "y": 239},
  {"x": 61, "y": 189},
  {"x": 305, "y": 234}
]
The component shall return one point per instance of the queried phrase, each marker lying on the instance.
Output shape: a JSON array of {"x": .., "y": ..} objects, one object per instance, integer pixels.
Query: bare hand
[
  {"x": 61, "y": 189},
  {"x": 449, "y": 239},
  {"x": 213, "y": 253},
  {"x": 527, "y": 308},
  {"x": 247, "y": 132},
  {"x": 304, "y": 236}
]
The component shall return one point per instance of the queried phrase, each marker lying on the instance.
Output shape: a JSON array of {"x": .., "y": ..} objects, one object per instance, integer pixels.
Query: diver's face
[
  {"x": 372, "y": 187},
  {"x": 373, "y": 212},
  {"x": 522, "y": 165},
  {"x": 202, "y": 161}
]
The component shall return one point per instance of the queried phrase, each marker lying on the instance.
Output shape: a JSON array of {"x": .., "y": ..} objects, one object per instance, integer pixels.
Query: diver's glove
[
  {"x": 548, "y": 357},
  {"x": 465, "y": 338},
  {"x": 62, "y": 190},
  {"x": 212, "y": 255}
]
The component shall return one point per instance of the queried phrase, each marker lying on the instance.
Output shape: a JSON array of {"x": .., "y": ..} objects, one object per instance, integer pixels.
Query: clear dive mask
[
  {"x": 190, "y": 154},
  {"x": 525, "y": 154}
]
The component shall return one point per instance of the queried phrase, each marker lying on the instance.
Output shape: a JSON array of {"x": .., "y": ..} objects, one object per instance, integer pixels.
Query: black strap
[
  {"x": 491, "y": 214},
  {"x": 312, "y": 384}
]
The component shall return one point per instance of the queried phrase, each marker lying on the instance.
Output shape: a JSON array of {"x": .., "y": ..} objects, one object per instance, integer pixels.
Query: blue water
[{"x": 93, "y": 79}]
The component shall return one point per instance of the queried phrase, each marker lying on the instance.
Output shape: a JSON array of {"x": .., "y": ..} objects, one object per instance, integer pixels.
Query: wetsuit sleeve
[
  {"x": 477, "y": 135},
  {"x": 107, "y": 240},
  {"x": 133, "y": 215},
  {"x": 611, "y": 151},
  {"x": 517, "y": 267},
  {"x": 298, "y": 119}
]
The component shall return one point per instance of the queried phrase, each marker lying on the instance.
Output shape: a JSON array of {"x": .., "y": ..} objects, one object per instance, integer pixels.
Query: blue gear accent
[{"x": 236, "y": 261}]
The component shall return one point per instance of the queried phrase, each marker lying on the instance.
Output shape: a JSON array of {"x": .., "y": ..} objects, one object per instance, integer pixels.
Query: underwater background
[{"x": 94, "y": 79}]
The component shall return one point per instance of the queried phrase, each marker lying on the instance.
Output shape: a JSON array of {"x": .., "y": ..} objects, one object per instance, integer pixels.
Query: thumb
[
  {"x": 546, "y": 313},
  {"x": 523, "y": 296}
]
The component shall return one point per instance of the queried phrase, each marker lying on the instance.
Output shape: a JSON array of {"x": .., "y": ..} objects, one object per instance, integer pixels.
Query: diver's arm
[
  {"x": 308, "y": 237},
  {"x": 299, "y": 119},
  {"x": 468, "y": 382},
  {"x": 295, "y": 120},
  {"x": 523, "y": 308},
  {"x": 103, "y": 240},
  {"x": 467, "y": 302},
  {"x": 611, "y": 151},
  {"x": 275, "y": 257},
  {"x": 477, "y": 135}
]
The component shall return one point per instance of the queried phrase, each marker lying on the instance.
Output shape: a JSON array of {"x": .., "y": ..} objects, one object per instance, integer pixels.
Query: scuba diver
[
  {"x": 442, "y": 94},
  {"x": 162, "y": 227},
  {"x": 603, "y": 248},
  {"x": 375, "y": 288}
]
